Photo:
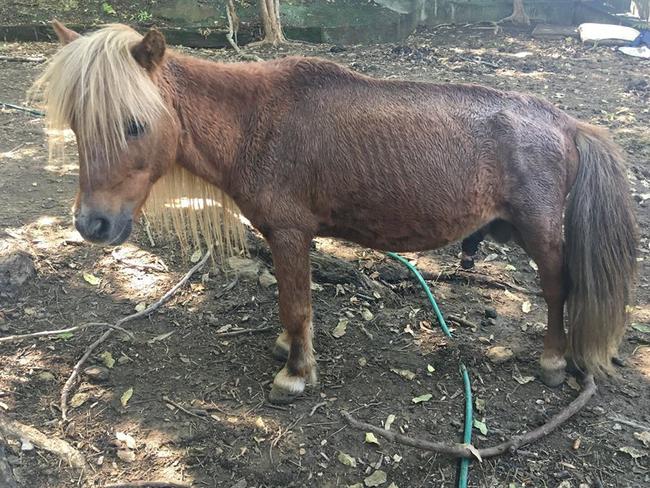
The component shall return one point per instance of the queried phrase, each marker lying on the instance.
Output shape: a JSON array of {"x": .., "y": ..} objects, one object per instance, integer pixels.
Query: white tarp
[
  {"x": 637, "y": 52},
  {"x": 606, "y": 32}
]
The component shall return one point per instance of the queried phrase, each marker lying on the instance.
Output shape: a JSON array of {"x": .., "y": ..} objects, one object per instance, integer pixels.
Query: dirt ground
[{"x": 391, "y": 353}]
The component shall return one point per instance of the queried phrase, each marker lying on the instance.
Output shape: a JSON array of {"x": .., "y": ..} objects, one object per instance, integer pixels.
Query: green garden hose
[{"x": 467, "y": 432}]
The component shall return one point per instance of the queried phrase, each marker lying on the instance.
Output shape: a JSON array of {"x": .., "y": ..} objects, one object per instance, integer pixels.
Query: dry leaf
[
  {"x": 196, "y": 256},
  {"x": 404, "y": 373},
  {"x": 126, "y": 396},
  {"x": 375, "y": 479},
  {"x": 430, "y": 368},
  {"x": 341, "y": 328},
  {"x": 643, "y": 437},
  {"x": 389, "y": 421},
  {"x": 633, "y": 451},
  {"x": 482, "y": 428},
  {"x": 92, "y": 279},
  {"x": 107, "y": 359},
  {"x": 126, "y": 439},
  {"x": 573, "y": 383},
  {"x": 367, "y": 315},
  {"x": 499, "y": 354},
  {"x": 140, "y": 307},
  {"x": 479, "y": 403},
  {"x": 522, "y": 380},
  {"x": 474, "y": 451},
  {"x": 512, "y": 296},
  {"x": 79, "y": 399},
  {"x": 526, "y": 307},
  {"x": 347, "y": 460},
  {"x": 533, "y": 265},
  {"x": 126, "y": 455},
  {"x": 160, "y": 337},
  {"x": 371, "y": 438},
  {"x": 422, "y": 398}
]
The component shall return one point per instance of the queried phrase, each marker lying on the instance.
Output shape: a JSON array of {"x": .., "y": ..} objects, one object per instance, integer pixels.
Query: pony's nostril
[{"x": 99, "y": 227}]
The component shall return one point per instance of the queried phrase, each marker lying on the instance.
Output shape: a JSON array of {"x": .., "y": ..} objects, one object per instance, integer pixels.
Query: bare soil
[{"x": 176, "y": 353}]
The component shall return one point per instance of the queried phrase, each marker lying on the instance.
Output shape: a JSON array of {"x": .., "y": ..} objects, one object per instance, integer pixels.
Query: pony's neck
[{"x": 213, "y": 101}]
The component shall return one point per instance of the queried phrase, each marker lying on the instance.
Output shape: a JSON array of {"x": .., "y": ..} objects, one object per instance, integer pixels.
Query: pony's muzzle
[{"x": 102, "y": 228}]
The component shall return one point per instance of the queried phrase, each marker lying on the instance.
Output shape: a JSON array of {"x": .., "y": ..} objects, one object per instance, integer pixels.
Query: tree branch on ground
[
  {"x": 144, "y": 313},
  {"x": 469, "y": 451},
  {"x": 13, "y": 428}
]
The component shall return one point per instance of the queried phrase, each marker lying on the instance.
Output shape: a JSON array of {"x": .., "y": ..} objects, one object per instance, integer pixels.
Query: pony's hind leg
[
  {"x": 469, "y": 248},
  {"x": 290, "y": 249},
  {"x": 543, "y": 242}
]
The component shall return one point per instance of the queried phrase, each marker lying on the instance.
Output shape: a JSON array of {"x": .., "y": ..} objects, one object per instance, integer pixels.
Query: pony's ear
[
  {"x": 149, "y": 52},
  {"x": 65, "y": 35}
]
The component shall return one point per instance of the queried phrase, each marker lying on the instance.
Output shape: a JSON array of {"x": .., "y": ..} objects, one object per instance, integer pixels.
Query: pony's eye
[{"x": 134, "y": 129}]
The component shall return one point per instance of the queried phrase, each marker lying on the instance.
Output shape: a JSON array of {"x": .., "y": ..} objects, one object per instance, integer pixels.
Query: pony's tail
[{"x": 601, "y": 247}]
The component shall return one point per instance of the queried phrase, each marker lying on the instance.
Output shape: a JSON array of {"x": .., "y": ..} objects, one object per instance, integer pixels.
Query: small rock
[
  {"x": 126, "y": 455},
  {"x": 15, "y": 269},
  {"x": 338, "y": 49},
  {"x": 499, "y": 354},
  {"x": 26, "y": 445},
  {"x": 97, "y": 374},
  {"x": 244, "y": 267},
  {"x": 45, "y": 376},
  {"x": 266, "y": 279},
  {"x": 490, "y": 313}
]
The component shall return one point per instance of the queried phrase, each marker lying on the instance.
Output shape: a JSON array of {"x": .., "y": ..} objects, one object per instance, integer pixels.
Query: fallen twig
[
  {"x": 197, "y": 413},
  {"x": 161, "y": 267},
  {"x": 147, "y": 311},
  {"x": 245, "y": 331},
  {"x": 23, "y": 109},
  {"x": 23, "y": 59},
  {"x": 632, "y": 423},
  {"x": 462, "y": 321},
  {"x": 148, "y": 484},
  {"x": 316, "y": 407},
  {"x": 75, "y": 328},
  {"x": 484, "y": 280},
  {"x": 13, "y": 428},
  {"x": 468, "y": 451}
]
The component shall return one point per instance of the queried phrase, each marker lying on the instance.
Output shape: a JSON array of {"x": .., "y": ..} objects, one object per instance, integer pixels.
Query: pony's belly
[{"x": 390, "y": 238}]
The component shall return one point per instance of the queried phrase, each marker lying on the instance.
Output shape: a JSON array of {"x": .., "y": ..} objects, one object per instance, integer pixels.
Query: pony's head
[{"x": 106, "y": 88}]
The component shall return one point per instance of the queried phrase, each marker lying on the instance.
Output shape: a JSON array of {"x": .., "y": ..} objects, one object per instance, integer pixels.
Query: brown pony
[{"x": 307, "y": 148}]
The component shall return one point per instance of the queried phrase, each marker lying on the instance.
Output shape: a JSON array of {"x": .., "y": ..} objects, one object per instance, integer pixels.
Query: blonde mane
[{"x": 95, "y": 84}]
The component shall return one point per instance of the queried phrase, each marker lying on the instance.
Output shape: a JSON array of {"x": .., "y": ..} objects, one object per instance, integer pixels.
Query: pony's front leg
[{"x": 290, "y": 249}]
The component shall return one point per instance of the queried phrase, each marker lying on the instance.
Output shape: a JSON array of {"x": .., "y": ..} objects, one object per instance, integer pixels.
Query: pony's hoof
[
  {"x": 278, "y": 396},
  {"x": 467, "y": 263},
  {"x": 286, "y": 387},
  {"x": 553, "y": 371},
  {"x": 553, "y": 378}
]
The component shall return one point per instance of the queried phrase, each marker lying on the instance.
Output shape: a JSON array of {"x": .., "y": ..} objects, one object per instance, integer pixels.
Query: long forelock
[{"x": 95, "y": 85}]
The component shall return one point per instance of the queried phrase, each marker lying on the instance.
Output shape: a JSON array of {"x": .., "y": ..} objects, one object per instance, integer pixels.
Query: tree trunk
[
  {"x": 518, "y": 15},
  {"x": 270, "y": 16}
]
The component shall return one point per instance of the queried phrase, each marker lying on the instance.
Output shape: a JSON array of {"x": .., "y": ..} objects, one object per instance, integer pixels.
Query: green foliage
[
  {"x": 142, "y": 16},
  {"x": 108, "y": 9}
]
